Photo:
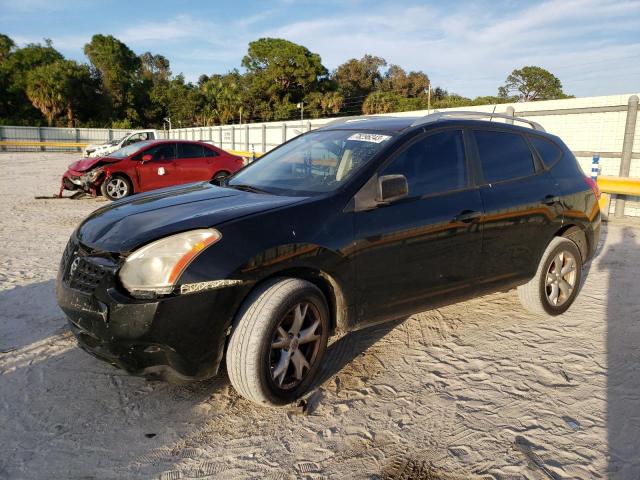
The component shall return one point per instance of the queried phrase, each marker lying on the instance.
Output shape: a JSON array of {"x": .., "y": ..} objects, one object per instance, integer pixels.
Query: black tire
[
  {"x": 219, "y": 177},
  {"x": 252, "y": 357},
  {"x": 116, "y": 187},
  {"x": 537, "y": 295}
]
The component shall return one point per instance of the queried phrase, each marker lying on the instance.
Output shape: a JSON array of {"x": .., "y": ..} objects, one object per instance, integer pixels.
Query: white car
[{"x": 106, "y": 148}]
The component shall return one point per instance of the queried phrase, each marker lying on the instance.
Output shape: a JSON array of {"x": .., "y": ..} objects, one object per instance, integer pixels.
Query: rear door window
[
  {"x": 503, "y": 155},
  {"x": 189, "y": 150},
  {"x": 547, "y": 150},
  {"x": 434, "y": 164}
]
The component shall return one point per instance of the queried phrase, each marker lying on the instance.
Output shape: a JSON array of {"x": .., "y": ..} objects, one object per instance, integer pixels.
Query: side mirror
[
  {"x": 392, "y": 188},
  {"x": 147, "y": 157}
]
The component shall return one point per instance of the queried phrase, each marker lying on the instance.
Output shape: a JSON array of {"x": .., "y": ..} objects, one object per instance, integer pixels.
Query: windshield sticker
[{"x": 369, "y": 137}]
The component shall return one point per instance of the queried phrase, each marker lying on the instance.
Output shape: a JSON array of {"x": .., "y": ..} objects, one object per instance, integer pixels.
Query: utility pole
[
  {"x": 429, "y": 99},
  {"x": 168, "y": 120}
]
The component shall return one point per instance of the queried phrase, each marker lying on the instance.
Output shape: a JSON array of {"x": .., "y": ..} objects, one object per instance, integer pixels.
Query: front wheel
[
  {"x": 219, "y": 177},
  {"x": 278, "y": 341},
  {"x": 557, "y": 280},
  {"x": 116, "y": 187}
]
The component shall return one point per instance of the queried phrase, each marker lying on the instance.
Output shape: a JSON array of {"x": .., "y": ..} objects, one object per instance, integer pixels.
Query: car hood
[
  {"x": 128, "y": 224},
  {"x": 85, "y": 164}
]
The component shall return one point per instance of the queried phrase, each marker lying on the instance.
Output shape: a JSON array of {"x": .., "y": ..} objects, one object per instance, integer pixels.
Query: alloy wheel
[
  {"x": 295, "y": 345},
  {"x": 560, "y": 279},
  {"x": 117, "y": 188}
]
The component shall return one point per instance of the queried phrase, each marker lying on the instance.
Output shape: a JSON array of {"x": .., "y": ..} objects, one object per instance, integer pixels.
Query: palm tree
[{"x": 47, "y": 90}]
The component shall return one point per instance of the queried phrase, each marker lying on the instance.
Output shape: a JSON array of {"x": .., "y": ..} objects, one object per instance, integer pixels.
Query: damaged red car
[{"x": 149, "y": 165}]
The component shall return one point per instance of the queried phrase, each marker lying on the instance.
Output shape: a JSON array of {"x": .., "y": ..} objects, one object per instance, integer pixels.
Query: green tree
[
  {"x": 532, "y": 83},
  {"x": 409, "y": 85},
  {"x": 357, "y": 78},
  {"x": 180, "y": 100},
  {"x": 381, "y": 102},
  {"x": 319, "y": 104},
  {"x": 84, "y": 100},
  {"x": 6, "y": 47},
  {"x": 118, "y": 67},
  {"x": 279, "y": 68},
  {"x": 47, "y": 89},
  {"x": 15, "y": 106}
]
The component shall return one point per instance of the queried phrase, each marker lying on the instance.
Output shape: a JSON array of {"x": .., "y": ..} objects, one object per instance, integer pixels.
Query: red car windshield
[{"x": 130, "y": 149}]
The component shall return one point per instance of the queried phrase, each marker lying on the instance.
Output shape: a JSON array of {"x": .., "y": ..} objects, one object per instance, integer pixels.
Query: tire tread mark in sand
[
  {"x": 207, "y": 469},
  {"x": 154, "y": 456},
  {"x": 308, "y": 467},
  {"x": 408, "y": 468},
  {"x": 171, "y": 475}
]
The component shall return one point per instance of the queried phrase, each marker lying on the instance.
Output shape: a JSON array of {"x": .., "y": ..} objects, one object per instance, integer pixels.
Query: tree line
[{"x": 121, "y": 89}]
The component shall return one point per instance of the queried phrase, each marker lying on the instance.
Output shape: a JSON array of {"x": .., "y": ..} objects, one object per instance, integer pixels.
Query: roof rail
[
  {"x": 434, "y": 117},
  {"x": 354, "y": 118}
]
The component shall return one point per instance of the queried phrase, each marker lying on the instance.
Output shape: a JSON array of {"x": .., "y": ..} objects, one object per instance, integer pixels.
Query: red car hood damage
[{"x": 88, "y": 163}]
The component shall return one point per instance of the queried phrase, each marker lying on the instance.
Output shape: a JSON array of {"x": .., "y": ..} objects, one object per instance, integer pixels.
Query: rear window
[
  {"x": 209, "y": 152},
  {"x": 548, "y": 151},
  {"x": 503, "y": 155}
]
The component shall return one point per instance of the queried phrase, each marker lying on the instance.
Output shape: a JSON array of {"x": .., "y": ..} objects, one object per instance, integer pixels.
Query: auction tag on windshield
[{"x": 369, "y": 137}]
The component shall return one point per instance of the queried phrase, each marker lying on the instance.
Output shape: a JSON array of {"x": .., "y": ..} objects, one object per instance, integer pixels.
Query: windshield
[
  {"x": 118, "y": 140},
  {"x": 313, "y": 163},
  {"x": 129, "y": 150}
]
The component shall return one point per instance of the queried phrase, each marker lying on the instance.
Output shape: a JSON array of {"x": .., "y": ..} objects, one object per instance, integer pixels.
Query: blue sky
[{"x": 467, "y": 47}]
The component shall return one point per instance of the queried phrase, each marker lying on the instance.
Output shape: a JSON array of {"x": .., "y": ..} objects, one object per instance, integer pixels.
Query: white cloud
[
  {"x": 466, "y": 47},
  {"x": 472, "y": 49}
]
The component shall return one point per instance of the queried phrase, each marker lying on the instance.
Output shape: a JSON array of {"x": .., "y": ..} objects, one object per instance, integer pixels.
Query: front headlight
[
  {"x": 92, "y": 176},
  {"x": 155, "y": 268}
]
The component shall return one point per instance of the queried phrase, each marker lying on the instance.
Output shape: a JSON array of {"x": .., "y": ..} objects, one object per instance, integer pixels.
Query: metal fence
[{"x": 607, "y": 126}]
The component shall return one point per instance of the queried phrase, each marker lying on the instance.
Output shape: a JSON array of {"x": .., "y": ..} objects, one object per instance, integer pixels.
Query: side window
[
  {"x": 189, "y": 150},
  {"x": 136, "y": 138},
  {"x": 503, "y": 155},
  {"x": 209, "y": 152},
  {"x": 165, "y": 151},
  {"x": 548, "y": 151},
  {"x": 434, "y": 164}
]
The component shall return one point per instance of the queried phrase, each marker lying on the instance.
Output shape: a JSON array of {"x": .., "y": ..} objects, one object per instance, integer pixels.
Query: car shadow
[
  {"x": 623, "y": 354},
  {"x": 346, "y": 348},
  {"x": 29, "y": 314}
]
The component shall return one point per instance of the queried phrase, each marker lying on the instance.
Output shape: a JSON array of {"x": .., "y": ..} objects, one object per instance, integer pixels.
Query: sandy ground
[{"x": 475, "y": 390}]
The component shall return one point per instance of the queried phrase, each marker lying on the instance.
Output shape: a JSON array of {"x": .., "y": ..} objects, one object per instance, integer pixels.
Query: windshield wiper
[{"x": 246, "y": 188}]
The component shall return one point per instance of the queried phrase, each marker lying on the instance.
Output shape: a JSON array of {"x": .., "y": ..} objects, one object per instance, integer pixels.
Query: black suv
[{"x": 365, "y": 220}]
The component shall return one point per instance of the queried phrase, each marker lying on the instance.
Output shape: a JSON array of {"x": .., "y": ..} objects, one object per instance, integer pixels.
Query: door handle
[
  {"x": 466, "y": 216},
  {"x": 551, "y": 200}
]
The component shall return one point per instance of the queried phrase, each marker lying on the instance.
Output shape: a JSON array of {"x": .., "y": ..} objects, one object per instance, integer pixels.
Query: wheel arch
[
  {"x": 577, "y": 235},
  {"x": 328, "y": 285},
  {"x": 120, "y": 173}
]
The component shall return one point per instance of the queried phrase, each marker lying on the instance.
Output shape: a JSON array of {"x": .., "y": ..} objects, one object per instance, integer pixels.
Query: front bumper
[
  {"x": 179, "y": 336},
  {"x": 77, "y": 181}
]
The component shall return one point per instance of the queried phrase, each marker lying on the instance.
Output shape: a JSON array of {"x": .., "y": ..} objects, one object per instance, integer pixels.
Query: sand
[{"x": 481, "y": 389}]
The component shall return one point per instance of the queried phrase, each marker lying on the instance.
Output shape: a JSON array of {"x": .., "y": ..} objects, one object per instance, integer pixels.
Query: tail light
[{"x": 594, "y": 186}]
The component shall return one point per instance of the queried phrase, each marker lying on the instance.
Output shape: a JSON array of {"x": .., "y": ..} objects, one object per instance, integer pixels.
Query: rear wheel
[
  {"x": 116, "y": 187},
  {"x": 556, "y": 283},
  {"x": 278, "y": 341}
]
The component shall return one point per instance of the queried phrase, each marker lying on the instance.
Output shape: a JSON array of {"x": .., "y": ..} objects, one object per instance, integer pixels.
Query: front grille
[
  {"x": 81, "y": 271},
  {"x": 66, "y": 256},
  {"x": 86, "y": 275}
]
